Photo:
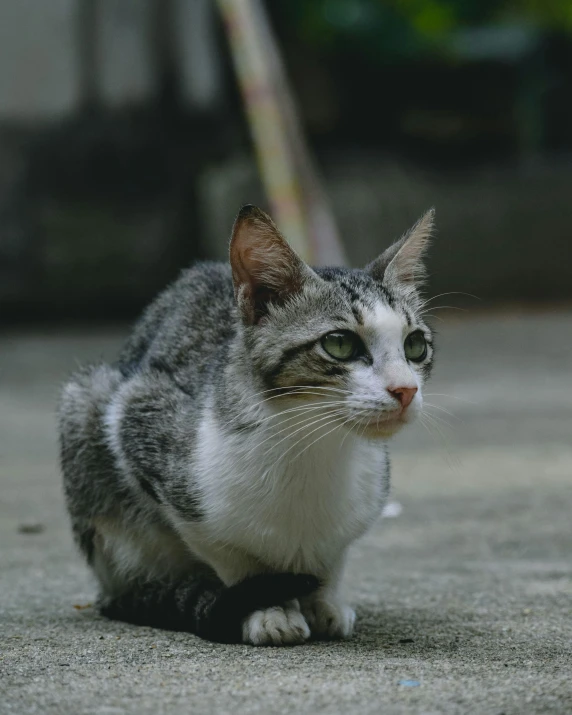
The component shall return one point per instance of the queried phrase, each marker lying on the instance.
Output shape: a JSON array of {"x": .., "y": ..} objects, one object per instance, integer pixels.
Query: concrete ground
[{"x": 464, "y": 600}]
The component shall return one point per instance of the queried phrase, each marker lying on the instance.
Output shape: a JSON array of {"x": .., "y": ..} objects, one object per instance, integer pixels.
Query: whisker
[
  {"x": 438, "y": 407},
  {"x": 318, "y": 438},
  {"x": 453, "y": 292},
  {"x": 336, "y": 419},
  {"x": 309, "y": 409},
  {"x": 301, "y": 408},
  {"x": 441, "y": 307},
  {"x": 453, "y": 397},
  {"x": 438, "y": 420},
  {"x": 297, "y": 392},
  {"x": 430, "y": 315},
  {"x": 303, "y": 423},
  {"x": 364, "y": 420},
  {"x": 306, "y": 423},
  {"x": 452, "y": 461},
  {"x": 300, "y": 387}
]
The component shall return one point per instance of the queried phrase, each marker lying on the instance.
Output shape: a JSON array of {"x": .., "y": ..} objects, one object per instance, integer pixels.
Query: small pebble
[{"x": 31, "y": 528}]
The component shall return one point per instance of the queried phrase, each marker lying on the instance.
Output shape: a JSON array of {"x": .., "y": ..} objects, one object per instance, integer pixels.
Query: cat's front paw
[
  {"x": 276, "y": 626},
  {"x": 329, "y": 620}
]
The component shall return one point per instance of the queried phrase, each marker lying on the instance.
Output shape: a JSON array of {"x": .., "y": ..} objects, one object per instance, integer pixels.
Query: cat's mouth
[{"x": 381, "y": 425}]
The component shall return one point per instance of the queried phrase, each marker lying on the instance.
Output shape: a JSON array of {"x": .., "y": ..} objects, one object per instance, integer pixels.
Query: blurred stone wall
[
  {"x": 104, "y": 108},
  {"x": 502, "y": 232},
  {"x": 123, "y": 157}
]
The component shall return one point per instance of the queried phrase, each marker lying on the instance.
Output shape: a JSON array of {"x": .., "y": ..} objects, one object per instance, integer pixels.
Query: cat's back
[{"x": 187, "y": 325}]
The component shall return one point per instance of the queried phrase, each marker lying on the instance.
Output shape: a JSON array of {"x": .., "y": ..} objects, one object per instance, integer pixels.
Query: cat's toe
[
  {"x": 330, "y": 620},
  {"x": 275, "y": 626}
]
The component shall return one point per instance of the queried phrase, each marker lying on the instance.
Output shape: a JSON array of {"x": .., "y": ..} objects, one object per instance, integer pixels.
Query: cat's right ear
[
  {"x": 402, "y": 263},
  {"x": 265, "y": 269}
]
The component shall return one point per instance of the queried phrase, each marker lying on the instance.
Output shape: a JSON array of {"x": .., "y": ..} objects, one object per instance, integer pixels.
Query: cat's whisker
[
  {"x": 441, "y": 307},
  {"x": 306, "y": 423},
  {"x": 304, "y": 408},
  {"x": 434, "y": 422},
  {"x": 297, "y": 392},
  {"x": 452, "y": 462},
  {"x": 290, "y": 388},
  {"x": 296, "y": 416},
  {"x": 365, "y": 423},
  {"x": 359, "y": 424},
  {"x": 313, "y": 403},
  {"x": 438, "y": 407},
  {"x": 424, "y": 424},
  {"x": 453, "y": 292},
  {"x": 296, "y": 387},
  {"x": 300, "y": 439},
  {"x": 306, "y": 405},
  {"x": 348, "y": 419},
  {"x": 453, "y": 397},
  {"x": 343, "y": 440},
  {"x": 438, "y": 420},
  {"x": 430, "y": 315},
  {"x": 338, "y": 426},
  {"x": 300, "y": 408},
  {"x": 441, "y": 420}
]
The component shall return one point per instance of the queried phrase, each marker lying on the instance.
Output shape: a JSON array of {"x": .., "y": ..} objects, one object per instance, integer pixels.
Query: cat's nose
[{"x": 404, "y": 394}]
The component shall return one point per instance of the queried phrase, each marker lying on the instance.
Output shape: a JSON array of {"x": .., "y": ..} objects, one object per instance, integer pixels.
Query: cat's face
[{"x": 352, "y": 343}]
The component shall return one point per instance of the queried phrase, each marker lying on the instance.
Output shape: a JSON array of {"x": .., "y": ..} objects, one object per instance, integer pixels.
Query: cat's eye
[
  {"x": 415, "y": 346},
  {"x": 342, "y": 345}
]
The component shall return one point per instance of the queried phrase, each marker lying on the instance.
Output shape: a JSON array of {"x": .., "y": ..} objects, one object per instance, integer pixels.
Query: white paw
[
  {"x": 276, "y": 626},
  {"x": 329, "y": 620}
]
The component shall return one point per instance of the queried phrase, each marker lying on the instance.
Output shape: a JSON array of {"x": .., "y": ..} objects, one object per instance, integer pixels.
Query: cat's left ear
[
  {"x": 265, "y": 269},
  {"x": 402, "y": 263}
]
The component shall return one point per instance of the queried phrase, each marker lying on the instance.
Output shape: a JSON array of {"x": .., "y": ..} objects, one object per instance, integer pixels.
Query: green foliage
[{"x": 392, "y": 29}]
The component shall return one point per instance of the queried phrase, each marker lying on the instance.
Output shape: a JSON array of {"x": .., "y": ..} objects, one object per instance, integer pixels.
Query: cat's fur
[{"x": 217, "y": 474}]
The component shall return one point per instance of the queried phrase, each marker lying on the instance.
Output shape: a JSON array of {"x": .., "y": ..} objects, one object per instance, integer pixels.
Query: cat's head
[{"x": 352, "y": 341}]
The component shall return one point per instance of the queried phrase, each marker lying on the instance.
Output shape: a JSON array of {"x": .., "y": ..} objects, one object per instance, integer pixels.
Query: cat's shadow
[
  {"x": 410, "y": 633},
  {"x": 391, "y": 633}
]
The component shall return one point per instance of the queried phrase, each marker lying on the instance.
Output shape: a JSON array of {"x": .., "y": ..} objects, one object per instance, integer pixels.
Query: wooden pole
[{"x": 290, "y": 180}]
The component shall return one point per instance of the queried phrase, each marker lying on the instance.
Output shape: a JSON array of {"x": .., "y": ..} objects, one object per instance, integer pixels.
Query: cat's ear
[
  {"x": 264, "y": 268},
  {"x": 402, "y": 263}
]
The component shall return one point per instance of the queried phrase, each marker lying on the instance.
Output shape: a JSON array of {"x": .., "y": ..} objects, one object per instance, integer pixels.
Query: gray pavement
[{"x": 464, "y": 601}]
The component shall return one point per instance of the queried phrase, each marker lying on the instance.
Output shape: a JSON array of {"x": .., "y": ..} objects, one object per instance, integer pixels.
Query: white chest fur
[{"x": 290, "y": 507}]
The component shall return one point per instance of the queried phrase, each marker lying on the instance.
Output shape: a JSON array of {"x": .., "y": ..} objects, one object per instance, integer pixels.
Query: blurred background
[{"x": 126, "y": 150}]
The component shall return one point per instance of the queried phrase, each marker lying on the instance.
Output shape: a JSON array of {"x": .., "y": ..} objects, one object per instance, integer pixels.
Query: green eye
[
  {"x": 342, "y": 344},
  {"x": 415, "y": 346}
]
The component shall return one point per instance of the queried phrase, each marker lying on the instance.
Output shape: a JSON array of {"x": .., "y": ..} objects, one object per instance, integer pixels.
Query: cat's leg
[
  {"x": 278, "y": 625},
  {"x": 282, "y": 624},
  {"x": 327, "y": 615}
]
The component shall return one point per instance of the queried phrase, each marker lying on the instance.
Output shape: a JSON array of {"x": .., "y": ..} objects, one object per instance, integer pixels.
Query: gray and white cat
[{"x": 218, "y": 473}]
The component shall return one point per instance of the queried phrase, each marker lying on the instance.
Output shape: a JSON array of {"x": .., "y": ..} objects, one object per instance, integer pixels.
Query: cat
[{"x": 218, "y": 472}]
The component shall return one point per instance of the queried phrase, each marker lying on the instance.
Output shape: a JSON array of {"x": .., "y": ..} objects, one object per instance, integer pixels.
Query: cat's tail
[{"x": 202, "y": 605}]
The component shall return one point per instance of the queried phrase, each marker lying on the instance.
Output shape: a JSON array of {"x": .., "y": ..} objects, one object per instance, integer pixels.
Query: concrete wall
[{"x": 56, "y": 53}]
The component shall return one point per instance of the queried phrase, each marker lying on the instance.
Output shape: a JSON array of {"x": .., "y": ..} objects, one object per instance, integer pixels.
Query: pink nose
[{"x": 404, "y": 394}]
